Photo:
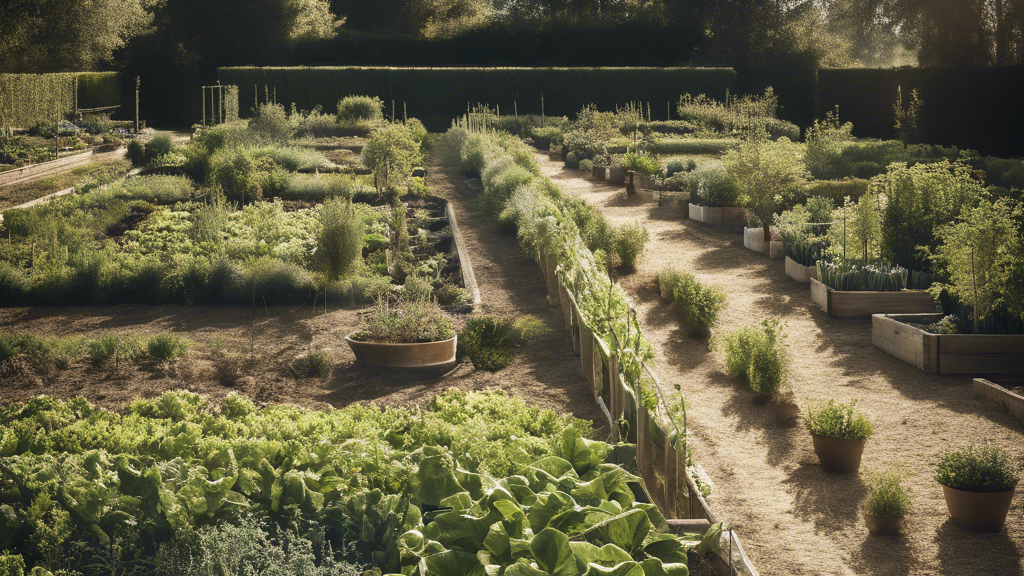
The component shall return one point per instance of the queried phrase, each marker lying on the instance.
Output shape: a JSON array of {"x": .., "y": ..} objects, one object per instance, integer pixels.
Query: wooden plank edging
[{"x": 468, "y": 277}]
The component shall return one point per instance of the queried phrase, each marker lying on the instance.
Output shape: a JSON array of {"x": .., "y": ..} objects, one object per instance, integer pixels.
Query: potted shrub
[
  {"x": 978, "y": 484},
  {"x": 406, "y": 334},
  {"x": 839, "y": 432},
  {"x": 887, "y": 503}
]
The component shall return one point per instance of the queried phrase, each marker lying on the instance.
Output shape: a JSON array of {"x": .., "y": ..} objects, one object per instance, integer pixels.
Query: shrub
[
  {"x": 837, "y": 190},
  {"x": 158, "y": 146},
  {"x": 667, "y": 281},
  {"x": 826, "y": 141},
  {"x": 641, "y": 163},
  {"x": 391, "y": 152},
  {"x": 418, "y": 130},
  {"x": 770, "y": 176},
  {"x": 360, "y": 108},
  {"x": 136, "y": 152},
  {"x": 270, "y": 122},
  {"x": 452, "y": 295},
  {"x": 113, "y": 347},
  {"x": 710, "y": 185},
  {"x": 758, "y": 356},
  {"x": 491, "y": 342},
  {"x": 587, "y": 166},
  {"x": 630, "y": 243},
  {"x": 164, "y": 190},
  {"x": 317, "y": 364},
  {"x": 887, "y": 496},
  {"x": 167, "y": 346},
  {"x": 292, "y": 158},
  {"x": 316, "y": 123},
  {"x": 694, "y": 146},
  {"x": 699, "y": 304},
  {"x": 985, "y": 468},
  {"x": 271, "y": 281},
  {"x": 500, "y": 180},
  {"x": 407, "y": 322},
  {"x": 339, "y": 237},
  {"x": 838, "y": 420},
  {"x": 920, "y": 199}
]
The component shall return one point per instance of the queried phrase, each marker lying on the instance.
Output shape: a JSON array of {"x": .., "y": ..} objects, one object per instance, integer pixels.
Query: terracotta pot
[
  {"x": 838, "y": 455},
  {"x": 599, "y": 172},
  {"x": 404, "y": 355},
  {"x": 978, "y": 511},
  {"x": 883, "y": 525},
  {"x": 786, "y": 412}
]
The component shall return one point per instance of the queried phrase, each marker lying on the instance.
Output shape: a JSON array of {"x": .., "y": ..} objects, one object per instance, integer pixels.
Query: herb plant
[
  {"x": 838, "y": 420},
  {"x": 887, "y": 495},
  {"x": 985, "y": 468}
]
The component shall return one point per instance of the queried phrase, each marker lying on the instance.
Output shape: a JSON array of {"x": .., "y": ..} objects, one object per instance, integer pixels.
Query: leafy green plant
[
  {"x": 391, "y": 152},
  {"x": 641, "y": 163},
  {"x": 826, "y": 140},
  {"x": 630, "y": 243},
  {"x": 112, "y": 347},
  {"x": 758, "y": 356},
  {"x": 838, "y": 420},
  {"x": 699, "y": 304},
  {"x": 587, "y": 166},
  {"x": 887, "y": 495},
  {"x": 710, "y": 185},
  {"x": 339, "y": 238},
  {"x": 492, "y": 342},
  {"x": 270, "y": 123},
  {"x": 984, "y": 468},
  {"x": 407, "y": 322},
  {"x": 167, "y": 346},
  {"x": 770, "y": 175},
  {"x": 668, "y": 279}
]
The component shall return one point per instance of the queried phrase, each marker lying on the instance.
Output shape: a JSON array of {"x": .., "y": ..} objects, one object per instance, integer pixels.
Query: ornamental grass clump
[
  {"x": 838, "y": 420},
  {"x": 630, "y": 243},
  {"x": 492, "y": 342},
  {"x": 406, "y": 322},
  {"x": 986, "y": 468},
  {"x": 167, "y": 346},
  {"x": 887, "y": 496}
]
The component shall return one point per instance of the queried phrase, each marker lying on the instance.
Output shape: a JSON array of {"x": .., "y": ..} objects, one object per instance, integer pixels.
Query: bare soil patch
[{"x": 791, "y": 516}]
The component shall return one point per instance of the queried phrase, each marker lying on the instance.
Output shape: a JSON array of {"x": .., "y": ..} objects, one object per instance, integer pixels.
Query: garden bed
[
  {"x": 716, "y": 215},
  {"x": 799, "y": 272},
  {"x": 843, "y": 304},
  {"x": 1000, "y": 397},
  {"x": 44, "y": 168},
  {"x": 902, "y": 336},
  {"x": 753, "y": 239}
]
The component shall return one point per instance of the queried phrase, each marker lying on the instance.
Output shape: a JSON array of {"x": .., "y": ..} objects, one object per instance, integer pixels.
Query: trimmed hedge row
[{"x": 436, "y": 95}]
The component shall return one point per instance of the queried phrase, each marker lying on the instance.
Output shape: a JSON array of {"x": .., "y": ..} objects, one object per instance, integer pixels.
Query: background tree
[{"x": 770, "y": 175}]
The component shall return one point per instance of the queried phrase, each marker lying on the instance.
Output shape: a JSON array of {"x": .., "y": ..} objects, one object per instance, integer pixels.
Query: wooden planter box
[
  {"x": 753, "y": 239},
  {"x": 45, "y": 168},
  {"x": 617, "y": 175},
  {"x": 996, "y": 395},
  {"x": 725, "y": 215},
  {"x": 946, "y": 353},
  {"x": 799, "y": 272},
  {"x": 419, "y": 355},
  {"x": 599, "y": 172},
  {"x": 843, "y": 304}
]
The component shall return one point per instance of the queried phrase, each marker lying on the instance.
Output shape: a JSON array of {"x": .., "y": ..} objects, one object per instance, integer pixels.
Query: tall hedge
[
  {"x": 437, "y": 95},
  {"x": 29, "y": 98},
  {"x": 975, "y": 108}
]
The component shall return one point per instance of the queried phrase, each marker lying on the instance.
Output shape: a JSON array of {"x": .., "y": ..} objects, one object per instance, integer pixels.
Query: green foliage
[
  {"x": 693, "y": 146},
  {"x": 837, "y": 190},
  {"x": 908, "y": 115},
  {"x": 136, "y": 152},
  {"x": 641, "y": 163},
  {"x": 339, "y": 238},
  {"x": 270, "y": 123},
  {"x": 668, "y": 279},
  {"x": 711, "y": 185},
  {"x": 980, "y": 252},
  {"x": 838, "y": 420},
  {"x": 492, "y": 342},
  {"x": 27, "y": 99},
  {"x": 407, "y": 322},
  {"x": 887, "y": 496},
  {"x": 849, "y": 276},
  {"x": 630, "y": 243},
  {"x": 391, "y": 152},
  {"x": 985, "y": 468},
  {"x": 920, "y": 199},
  {"x": 856, "y": 231},
  {"x": 699, "y": 304},
  {"x": 587, "y": 166},
  {"x": 826, "y": 141},
  {"x": 770, "y": 176},
  {"x": 115, "y": 348},
  {"x": 758, "y": 356},
  {"x": 168, "y": 346},
  {"x": 360, "y": 108}
]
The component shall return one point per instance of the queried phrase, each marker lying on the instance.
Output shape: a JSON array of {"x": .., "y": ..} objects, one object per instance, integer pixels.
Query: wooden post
[
  {"x": 542, "y": 121},
  {"x": 56, "y": 138},
  {"x": 221, "y": 90},
  {"x": 392, "y": 111},
  {"x": 138, "y": 83},
  {"x": 204, "y": 105},
  {"x": 515, "y": 106},
  {"x": 405, "y": 113},
  {"x": 668, "y": 110}
]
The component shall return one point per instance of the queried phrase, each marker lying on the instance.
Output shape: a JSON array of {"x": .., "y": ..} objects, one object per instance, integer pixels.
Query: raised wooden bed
[
  {"x": 799, "y": 272},
  {"x": 44, "y": 168},
  {"x": 616, "y": 175},
  {"x": 713, "y": 215},
  {"x": 753, "y": 239},
  {"x": 842, "y": 304},
  {"x": 599, "y": 172},
  {"x": 996, "y": 395},
  {"x": 420, "y": 355},
  {"x": 946, "y": 353}
]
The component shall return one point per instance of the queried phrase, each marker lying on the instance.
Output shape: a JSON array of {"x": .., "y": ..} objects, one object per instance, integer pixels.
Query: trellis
[{"x": 221, "y": 102}]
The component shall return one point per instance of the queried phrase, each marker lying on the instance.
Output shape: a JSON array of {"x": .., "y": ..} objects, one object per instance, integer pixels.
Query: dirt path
[
  {"x": 546, "y": 375},
  {"x": 792, "y": 517}
]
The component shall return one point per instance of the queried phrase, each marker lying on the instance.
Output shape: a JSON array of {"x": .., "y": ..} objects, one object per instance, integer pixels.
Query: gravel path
[{"x": 792, "y": 517}]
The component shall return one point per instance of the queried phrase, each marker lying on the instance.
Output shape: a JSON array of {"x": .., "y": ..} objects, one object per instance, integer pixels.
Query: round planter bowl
[
  {"x": 978, "y": 511},
  {"x": 883, "y": 525},
  {"x": 838, "y": 455},
  {"x": 419, "y": 355},
  {"x": 786, "y": 413}
]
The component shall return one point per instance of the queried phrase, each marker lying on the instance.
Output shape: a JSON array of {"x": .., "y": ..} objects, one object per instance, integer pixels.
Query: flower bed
[{"x": 902, "y": 336}]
